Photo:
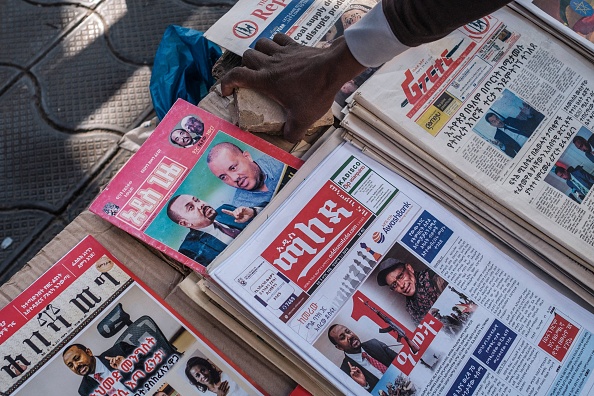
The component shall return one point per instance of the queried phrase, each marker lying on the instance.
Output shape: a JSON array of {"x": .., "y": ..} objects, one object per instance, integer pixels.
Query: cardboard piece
[{"x": 258, "y": 113}]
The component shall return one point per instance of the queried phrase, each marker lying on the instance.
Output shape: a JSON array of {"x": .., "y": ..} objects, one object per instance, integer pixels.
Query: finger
[
  {"x": 239, "y": 77},
  {"x": 253, "y": 59},
  {"x": 227, "y": 211},
  {"x": 266, "y": 46},
  {"x": 350, "y": 365},
  {"x": 294, "y": 128},
  {"x": 283, "y": 39}
]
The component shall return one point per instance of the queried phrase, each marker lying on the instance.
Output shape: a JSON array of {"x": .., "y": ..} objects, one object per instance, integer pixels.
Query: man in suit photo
[
  {"x": 211, "y": 230},
  {"x": 95, "y": 369},
  {"x": 365, "y": 362}
]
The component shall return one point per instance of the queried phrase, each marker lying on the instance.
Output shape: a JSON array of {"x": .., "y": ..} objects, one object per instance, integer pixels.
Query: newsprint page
[
  {"x": 384, "y": 292},
  {"x": 507, "y": 107},
  {"x": 87, "y": 327}
]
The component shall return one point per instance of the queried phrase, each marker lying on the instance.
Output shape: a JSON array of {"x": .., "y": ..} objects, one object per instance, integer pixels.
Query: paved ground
[{"x": 74, "y": 77}]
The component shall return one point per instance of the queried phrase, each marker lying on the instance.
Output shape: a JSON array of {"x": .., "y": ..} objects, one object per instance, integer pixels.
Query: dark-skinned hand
[{"x": 301, "y": 79}]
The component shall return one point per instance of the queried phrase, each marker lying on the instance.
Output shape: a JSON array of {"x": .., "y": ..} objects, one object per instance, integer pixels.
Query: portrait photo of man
[
  {"x": 365, "y": 362},
  {"x": 585, "y": 145},
  {"x": 210, "y": 229},
  {"x": 255, "y": 178},
  {"x": 509, "y": 123},
  {"x": 577, "y": 179},
  {"x": 94, "y": 369},
  {"x": 421, "y": 288},
  {"x": 188, "y": 132}
]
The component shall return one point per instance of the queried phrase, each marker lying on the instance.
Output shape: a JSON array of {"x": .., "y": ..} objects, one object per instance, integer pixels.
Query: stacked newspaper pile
[{"x": 494, "y": 120}]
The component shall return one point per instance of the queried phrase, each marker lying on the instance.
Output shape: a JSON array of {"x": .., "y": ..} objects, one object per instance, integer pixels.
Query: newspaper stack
[{"x": 494, "y": 120}]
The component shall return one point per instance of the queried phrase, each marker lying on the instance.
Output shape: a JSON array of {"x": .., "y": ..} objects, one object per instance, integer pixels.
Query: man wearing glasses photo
[{"x": 421, "y": 288}]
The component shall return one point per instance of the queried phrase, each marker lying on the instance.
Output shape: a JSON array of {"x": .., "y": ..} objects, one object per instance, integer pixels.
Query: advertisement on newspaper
[
  {"x": 507, "y": 107},
  {"x": 194, "y": 185},
  {"x": 88, "y": 327},
  {"x": 386, "y": 293}
]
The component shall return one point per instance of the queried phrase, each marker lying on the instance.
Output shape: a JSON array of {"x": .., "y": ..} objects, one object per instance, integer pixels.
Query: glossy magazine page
[
  {"x": 88, "y": 327},
  {"x": 194, "y": 185}
]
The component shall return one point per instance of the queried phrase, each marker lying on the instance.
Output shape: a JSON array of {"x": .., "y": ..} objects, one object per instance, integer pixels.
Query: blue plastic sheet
[{"x": 182, "y": 68}]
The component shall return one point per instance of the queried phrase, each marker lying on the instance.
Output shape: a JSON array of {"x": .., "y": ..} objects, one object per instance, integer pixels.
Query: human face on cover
[
  {"x": 201, "y": 374},
  {"x": 237, "y": 169},
  {"x": 562, "y": 173},
  {"x": 402, "y": 280},
  {"x": 79, "y": 361},
  {"x": 495, "y": 121},
  {"x": 193, "y": 212},
  {"x": 181, "y": 137},
  {"x": 582, "y": 144},
  {"x": 194, "y": 125},
  {"x": 345, "y": 339}
]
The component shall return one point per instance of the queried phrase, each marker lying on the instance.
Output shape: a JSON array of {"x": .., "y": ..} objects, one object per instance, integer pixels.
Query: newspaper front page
[
  {"x": 462, "y": 197},
  {"x": 508, "y": 108},
  {"x": 385, "y": 292},
  {"x": 88, "y": 327}
]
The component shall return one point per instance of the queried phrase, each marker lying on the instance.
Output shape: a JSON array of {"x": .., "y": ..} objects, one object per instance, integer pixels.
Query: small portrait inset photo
[
  {"x": 508, "y": 123},
  {"x": 188, "y": 132}
]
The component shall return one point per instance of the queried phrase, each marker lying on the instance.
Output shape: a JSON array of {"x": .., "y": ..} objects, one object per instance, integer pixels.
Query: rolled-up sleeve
[{"x": 392, "y": 26}]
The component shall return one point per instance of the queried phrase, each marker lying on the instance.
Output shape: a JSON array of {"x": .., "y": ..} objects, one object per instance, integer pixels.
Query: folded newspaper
[{"x": 384, "y": 291}]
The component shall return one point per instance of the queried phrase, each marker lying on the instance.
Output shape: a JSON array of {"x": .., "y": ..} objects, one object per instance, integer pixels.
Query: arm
[{"x": 304, "y": 80}]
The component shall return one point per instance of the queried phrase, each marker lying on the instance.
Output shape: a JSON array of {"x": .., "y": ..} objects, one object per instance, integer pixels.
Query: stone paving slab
[
  {"x": 42, "y": 167},
  {"x": 22, "y": 227},
  {"x": 23, "y": 41},
  {"x": 135, "y": 34},
  {"x": 74, "y": 76},
  {"x": 84, "y": 86},
  {"x": 7, "y": 74}
]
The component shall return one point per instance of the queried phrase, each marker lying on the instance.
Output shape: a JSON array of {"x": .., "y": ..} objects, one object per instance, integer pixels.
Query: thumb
[{"x": 238, "y": 77}]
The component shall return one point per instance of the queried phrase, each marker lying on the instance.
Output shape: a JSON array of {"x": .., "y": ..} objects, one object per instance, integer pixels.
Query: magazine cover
[
  {"x": 194, "y": 185},
  {"x": 385, "y": 292},
  {"x": 87, "y": 327}
]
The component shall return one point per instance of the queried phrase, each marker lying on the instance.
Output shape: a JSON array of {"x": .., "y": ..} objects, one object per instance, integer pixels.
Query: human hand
[
  {"x": 357, "y": 375},
  {"x": 302, "y": 79},
  {"x": 223, "y": 388},
  {"x": 114, "y": 362},
  {"x": 241, "y": 214}
]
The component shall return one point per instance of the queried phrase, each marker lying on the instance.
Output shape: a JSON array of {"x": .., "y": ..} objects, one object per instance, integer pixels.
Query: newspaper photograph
[
  {"x": 194, "y": 185},
  {"x": 385, "y": 292},
  {"x": 507, "y": 107},
  {"x": 87, "y": 327}
]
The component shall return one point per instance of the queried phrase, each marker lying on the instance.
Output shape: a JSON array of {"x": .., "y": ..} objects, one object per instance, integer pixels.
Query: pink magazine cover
[
  {"x": 89, "y": 327},
  {"x": 194, "y": 185}
]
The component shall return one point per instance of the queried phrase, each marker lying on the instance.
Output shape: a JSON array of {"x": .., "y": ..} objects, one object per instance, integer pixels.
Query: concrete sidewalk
[{"x": 74, "y": 77}]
